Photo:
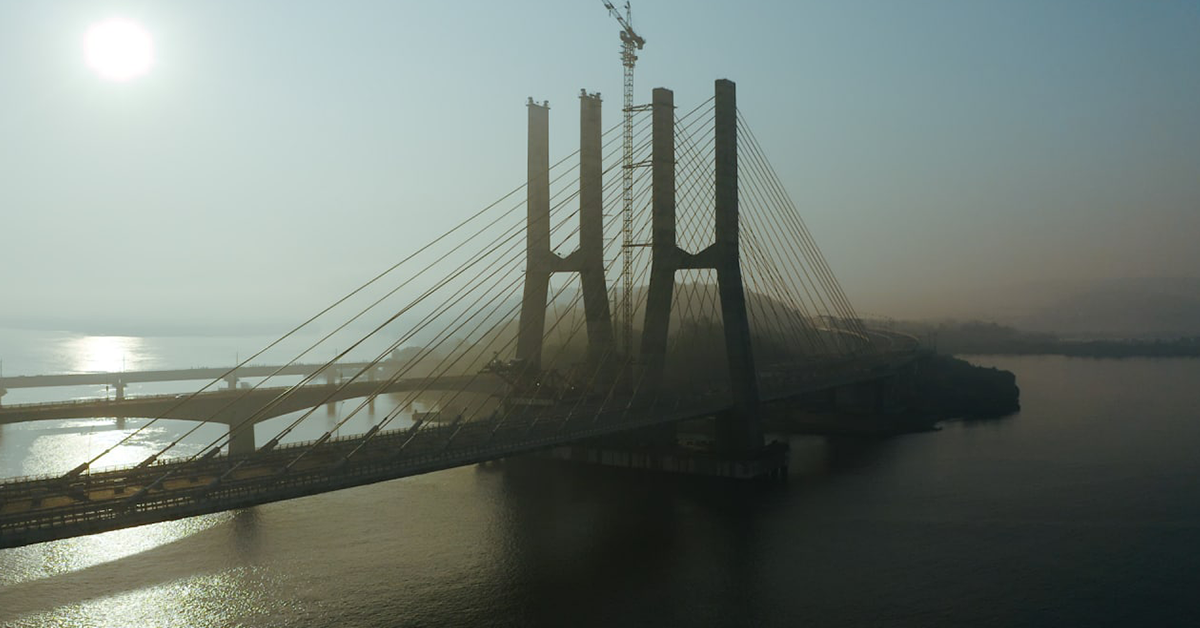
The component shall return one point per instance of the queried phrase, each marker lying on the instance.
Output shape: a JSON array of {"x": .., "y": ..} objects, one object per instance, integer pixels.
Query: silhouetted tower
[
  {"x": 739, "y": 432},
  {"x": 587, "y": 260}
]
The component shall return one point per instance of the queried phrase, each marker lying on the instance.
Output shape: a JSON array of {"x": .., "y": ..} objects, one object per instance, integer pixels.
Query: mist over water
[{"x": 1081, "y": 510}]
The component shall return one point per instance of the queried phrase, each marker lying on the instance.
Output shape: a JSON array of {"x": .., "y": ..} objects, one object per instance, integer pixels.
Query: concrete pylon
[
  {"x": 539, "y": 259},
  {"x": 740, "y": 431},
  {"x": 665, "y": 253},
  {"x": 591, "y": 233},
  {"x": 241, "y": 440},
  {"x": 587, "y": 260}
]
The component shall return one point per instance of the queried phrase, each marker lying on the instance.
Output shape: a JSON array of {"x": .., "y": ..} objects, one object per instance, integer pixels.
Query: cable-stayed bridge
[{"x": 515, "y": 354}]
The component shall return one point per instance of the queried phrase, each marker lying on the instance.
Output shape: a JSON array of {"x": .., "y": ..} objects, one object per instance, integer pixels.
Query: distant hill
[{"x": 1129, "y": 308}]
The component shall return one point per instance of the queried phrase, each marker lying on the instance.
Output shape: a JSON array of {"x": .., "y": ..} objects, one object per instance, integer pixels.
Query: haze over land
[
  {"x": 1146, "y": 307},
  {"x": 1035, "y": 163}
]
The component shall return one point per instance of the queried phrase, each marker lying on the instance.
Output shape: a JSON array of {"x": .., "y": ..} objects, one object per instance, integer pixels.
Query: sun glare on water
[
  {"x": 118, "y": 49},
  {"x": 106, "y": 354}
]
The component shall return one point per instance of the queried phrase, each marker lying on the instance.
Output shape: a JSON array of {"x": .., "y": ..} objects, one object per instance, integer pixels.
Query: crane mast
[{"x": 631, "y": 42}]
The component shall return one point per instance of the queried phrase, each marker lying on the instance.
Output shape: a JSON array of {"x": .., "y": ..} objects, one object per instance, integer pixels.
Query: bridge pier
[
  {"x": 372, "y": 376},
  {"x": 241, "y": 441},
  {"x": 331, "y": 379},
  {"x": 119, "y": 390},
  {"x": 231, "y": 382}
]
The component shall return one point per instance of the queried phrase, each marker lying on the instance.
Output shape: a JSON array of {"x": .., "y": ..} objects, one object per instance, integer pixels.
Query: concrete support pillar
[
  {"x": 743, "y": 430},
  {"x": 664, "y": 251},
  {"x": 739, "y": 430},
  {"x": 231, "y": 382},
  {"x": 537, "y": 251},
  {"x": 591, "y": 233},
  {"x": 119, "y": 388},
  {"x": 241, "y": 441},
  {"x": 331, "y": 379},
  {"x": 372, "y": 376},
  {"x": 588, "y": 260}
]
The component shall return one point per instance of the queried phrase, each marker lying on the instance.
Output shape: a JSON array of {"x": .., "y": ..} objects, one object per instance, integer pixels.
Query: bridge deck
[
  {"x": 40, "y": 510},
  {"x": 234, "y": 406},
  {"x": 43, "y": 509},
  {"x": 174, "y": 375}
]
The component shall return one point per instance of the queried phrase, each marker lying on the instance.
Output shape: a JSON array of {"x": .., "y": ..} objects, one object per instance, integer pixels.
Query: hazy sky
[{"x": 278, "y": 153}]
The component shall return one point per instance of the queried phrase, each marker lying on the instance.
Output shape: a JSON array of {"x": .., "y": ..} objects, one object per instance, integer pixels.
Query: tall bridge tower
[
  {"x": 588, "y": 259},
  {"x": 739, "y": 431}
]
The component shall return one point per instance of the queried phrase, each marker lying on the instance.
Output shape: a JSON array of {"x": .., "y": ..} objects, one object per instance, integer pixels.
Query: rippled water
[{"x": 1083, "y": 510}]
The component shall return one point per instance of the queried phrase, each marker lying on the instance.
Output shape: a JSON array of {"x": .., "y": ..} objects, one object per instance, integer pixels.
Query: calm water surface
[{"x": 1082, "y": 510}]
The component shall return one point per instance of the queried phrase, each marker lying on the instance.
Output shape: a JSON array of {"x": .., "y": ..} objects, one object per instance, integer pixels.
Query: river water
[{"x": 1081, "y": 510}]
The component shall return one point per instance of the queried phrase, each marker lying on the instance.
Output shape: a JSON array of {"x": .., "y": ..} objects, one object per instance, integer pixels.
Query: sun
[{"x": 118, "y": 49}]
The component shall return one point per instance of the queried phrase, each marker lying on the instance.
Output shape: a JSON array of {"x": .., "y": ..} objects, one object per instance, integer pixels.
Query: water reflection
[
  {"x": 91, "y": 354},
  {"x": 48, "y": 447},
  {"x": 246, "y": 529},
  {"x": 134, "y": 577}
]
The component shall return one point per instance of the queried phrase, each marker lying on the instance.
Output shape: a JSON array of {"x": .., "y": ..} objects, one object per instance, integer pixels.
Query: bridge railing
[
  {"x": 56, "y": 477},
  {"x": 65, "y": 402}
]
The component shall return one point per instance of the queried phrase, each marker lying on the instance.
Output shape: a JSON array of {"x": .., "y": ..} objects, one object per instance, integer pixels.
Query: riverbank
[{"x": 946, "y": 387}]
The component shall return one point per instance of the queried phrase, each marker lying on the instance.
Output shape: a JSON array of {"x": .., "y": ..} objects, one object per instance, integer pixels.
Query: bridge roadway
[
  {"x": 33, "y": 510},
  {"x": 235, "y": 407},
  {"x": 172, "y": 375}
]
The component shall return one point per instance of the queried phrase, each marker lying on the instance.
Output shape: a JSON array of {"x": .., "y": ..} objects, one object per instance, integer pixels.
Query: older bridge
[
  {"x": 760, "y": 323},
  {"x": 237, "y": 408},
  {"x": 118, "y": 381}
]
